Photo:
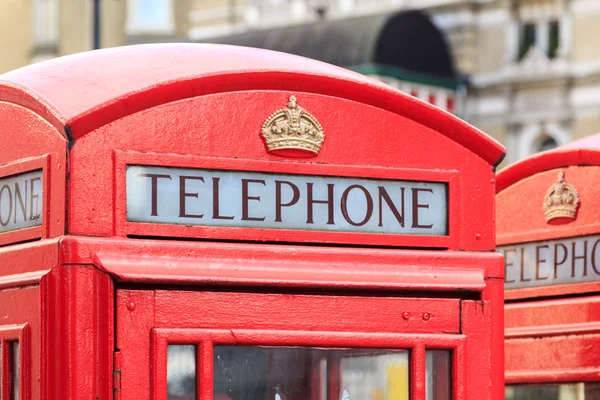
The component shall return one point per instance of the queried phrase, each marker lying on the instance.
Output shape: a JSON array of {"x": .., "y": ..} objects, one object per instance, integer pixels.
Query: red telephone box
[
  {"x": 203, "y": 221},
  {"x": 549, "y": 233}
]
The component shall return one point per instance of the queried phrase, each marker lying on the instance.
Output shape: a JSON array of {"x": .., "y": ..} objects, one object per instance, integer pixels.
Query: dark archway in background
[
  {"x": 405, "y": 44},
  {"x": 409, "y": 40}
]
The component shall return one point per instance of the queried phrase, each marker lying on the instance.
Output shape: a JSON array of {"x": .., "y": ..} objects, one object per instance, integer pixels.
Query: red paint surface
[
  {"x": 527, "y": 222},
  {"x": 200, "y": 105},
  {"x": 555, "y": 338},
  {"x": 28, "y": 143},
  {"x": 301, "y": 266}
]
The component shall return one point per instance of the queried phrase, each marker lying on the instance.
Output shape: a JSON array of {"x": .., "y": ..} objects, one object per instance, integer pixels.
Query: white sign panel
[
  {"x": 552, "y": 262},
  {"x": 21, "y": 199},
  {"x": 303, "y": 202}
]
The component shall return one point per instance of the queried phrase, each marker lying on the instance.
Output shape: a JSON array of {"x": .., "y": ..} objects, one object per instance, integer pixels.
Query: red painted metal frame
[
  {"x": 552, "y": 291},
  {"x": 125, "y": 228},
  {"x": 20, "y": 167},
  {"x": 206, "y": 339},
  {"x": 8, "y": 334},
  {"x": 290, "y": 266}
]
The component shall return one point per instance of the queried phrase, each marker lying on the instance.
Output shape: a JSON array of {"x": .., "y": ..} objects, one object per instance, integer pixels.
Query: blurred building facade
[{"x": 532, "y": 67}]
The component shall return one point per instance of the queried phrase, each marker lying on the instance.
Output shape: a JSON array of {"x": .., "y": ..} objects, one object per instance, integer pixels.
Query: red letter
[
  {"x": 594, "y": 257},
  {"x": 310, "y": 201},
  {"x": 216, "y": 201},
  {"x": 278, "y": 204},
  {"x": 183, "y": 194},
  {"x": 416, "y": 205},
  {"x": 344, "y": 205},
  {"x": 383, "y": 195},
  {"x": 523, "y": 266},
  {"x": 538, "y": 260},
  {"x": 582, "y": 257},
  {"x": 154, "y": 178},
  {"x": 37, "y": 200},
  {"x": 246, "y": 198},
  {"x": 506, "y": 265},
  {"x": 20, "y": 201},
  {"x": 556, "y": 264},
  {"x": 2, "y": 222}
]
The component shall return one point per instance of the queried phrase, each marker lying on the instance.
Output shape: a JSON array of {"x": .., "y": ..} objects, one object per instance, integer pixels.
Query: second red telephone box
[{"x": 548, "y": 231}]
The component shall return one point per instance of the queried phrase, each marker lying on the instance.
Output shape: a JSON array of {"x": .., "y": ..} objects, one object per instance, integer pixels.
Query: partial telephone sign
[
  {"x": 21, "y": 201},
  {"x": 552, "y": 262}
]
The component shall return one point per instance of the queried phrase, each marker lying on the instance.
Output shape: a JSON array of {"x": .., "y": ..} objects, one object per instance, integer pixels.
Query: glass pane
[
  {"x": 592, "y": 391},
  {"x": 439, "y": 375},
  {"x": 15, "y": 363},
  {"x": 553, "y": 39},
  {"x": 303, "y": 373},
  {"x": 181, "y": 372},
  {"x": 527, "y": 39},
  {"x": 553, "y": 391}
]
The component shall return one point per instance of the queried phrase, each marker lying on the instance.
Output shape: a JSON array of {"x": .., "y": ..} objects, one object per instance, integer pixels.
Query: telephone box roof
[
  {"x": 82, "y": 92},
  {"x": 585, "y": 151}
]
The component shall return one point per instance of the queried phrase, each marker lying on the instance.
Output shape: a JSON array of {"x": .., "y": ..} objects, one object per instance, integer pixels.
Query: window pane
[
  {"x": 592, "y": 391},
  {"x": 439, "y": 375},
  {"x": 15, "y": 364},
  {"x": 181, "y": 372},
  {"x": 527, "y": 39},
  {"x": 553, "y": 39},
  {"x": 302, "y": 373},
  {"x": 152, "y": 14},
  {"x": 568, "y": 391}
]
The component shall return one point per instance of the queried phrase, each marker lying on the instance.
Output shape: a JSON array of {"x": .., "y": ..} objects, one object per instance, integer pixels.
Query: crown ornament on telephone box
[
  {"x": 292, "y": 131},
  {"x": 561, "y": 201}
]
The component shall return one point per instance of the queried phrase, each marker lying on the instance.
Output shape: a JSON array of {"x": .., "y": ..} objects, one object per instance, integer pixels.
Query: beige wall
[
  {"x": 75, "y": 26},
  {"x": 490, "y": 53},
  {"x": 77, "y": 30},
  {"x": 586, "y": 30},
  {"x": 181, "y": 13},
  {"x": 586, "y": 125},
  {"x": 498, "y": 132},
  {"x": 15, "y": 34},
  {"x": 114, "y": 13}
]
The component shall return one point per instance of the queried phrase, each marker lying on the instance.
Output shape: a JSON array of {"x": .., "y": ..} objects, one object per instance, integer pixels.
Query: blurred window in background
[
  {"x": 150, "y": 17},
  {"x": 553, "y": 39},
  {"x": 527, "y": 39},
  {"x": 544, "y": 36},
  {"x": 45, "y": 23}
]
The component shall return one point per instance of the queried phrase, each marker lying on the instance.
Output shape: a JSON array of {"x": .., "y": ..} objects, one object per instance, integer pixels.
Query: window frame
[
  {"x": 206, "y": 339},
  {"x": 21, "y": 334}
]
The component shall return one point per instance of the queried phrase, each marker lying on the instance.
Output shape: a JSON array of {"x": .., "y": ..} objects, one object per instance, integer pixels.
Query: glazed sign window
[
  {"x": 21, "y": 201},
  {"x": 552, "y": 262},
  {"x": 302, "y": 202}
]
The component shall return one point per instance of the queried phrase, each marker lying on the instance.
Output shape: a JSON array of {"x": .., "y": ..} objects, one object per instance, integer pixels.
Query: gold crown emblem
[
  {"x": 561, "y": 200},
  {"x": 293, "y": 131}
]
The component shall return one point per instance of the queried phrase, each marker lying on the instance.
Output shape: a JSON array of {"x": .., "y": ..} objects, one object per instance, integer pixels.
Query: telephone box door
[{"x": 176, "y": 345}]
